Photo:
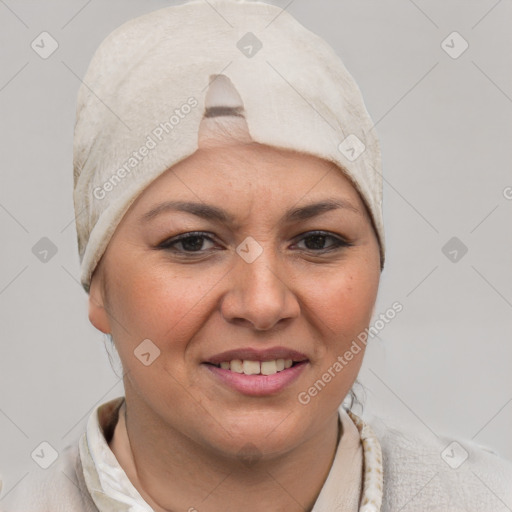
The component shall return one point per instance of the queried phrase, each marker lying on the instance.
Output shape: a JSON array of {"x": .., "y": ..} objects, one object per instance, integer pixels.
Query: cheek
[
  {"x": 150, "y": 300},
  {"x": 147, "y": 307},
  {"x": 342, "y": 303},
  {"x": 344, "y": 299}
]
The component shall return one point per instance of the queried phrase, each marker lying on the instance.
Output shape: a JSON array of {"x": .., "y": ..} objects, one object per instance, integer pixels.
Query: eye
[
  {"x": 190, "y": 242},
  {"x": 193, "y": 242},
  {"x": 315, "y": 241}
]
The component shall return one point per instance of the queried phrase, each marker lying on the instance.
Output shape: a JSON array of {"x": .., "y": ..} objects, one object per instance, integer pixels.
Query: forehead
[{"x": 239, "y": 174}]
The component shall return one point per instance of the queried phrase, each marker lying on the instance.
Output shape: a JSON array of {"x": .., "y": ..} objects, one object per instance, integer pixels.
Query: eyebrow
[{"x": 210, "y": 212}]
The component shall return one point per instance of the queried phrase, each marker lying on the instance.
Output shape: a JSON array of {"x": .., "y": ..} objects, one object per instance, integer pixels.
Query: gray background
[{"x": 441, "y": 366}]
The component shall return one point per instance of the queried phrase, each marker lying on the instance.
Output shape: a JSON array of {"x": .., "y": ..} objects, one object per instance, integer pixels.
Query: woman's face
[{"x": 246, "y": 277}]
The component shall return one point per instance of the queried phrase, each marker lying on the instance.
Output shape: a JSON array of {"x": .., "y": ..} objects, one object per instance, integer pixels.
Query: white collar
[
  {"x": 110, "y": 488},
  {"x": 112, "y": 491}
]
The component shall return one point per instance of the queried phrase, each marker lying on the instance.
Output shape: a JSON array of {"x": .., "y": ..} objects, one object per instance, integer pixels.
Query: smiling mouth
[{"x": 251, "y": 367}]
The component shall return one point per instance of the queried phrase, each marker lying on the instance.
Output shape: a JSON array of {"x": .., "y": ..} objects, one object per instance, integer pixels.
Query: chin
[{"x": 270, "y": 434}]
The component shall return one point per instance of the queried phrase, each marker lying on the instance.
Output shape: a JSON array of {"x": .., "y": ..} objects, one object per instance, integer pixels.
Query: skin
[{"x": 186, "y": 428}]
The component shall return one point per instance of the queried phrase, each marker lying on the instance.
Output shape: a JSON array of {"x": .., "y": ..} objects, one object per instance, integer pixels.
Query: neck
[{"x": 173, "y": 472}]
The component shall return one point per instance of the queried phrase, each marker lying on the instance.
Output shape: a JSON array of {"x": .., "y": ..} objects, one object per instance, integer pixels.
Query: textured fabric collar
[{"x": 112, "y": 491}]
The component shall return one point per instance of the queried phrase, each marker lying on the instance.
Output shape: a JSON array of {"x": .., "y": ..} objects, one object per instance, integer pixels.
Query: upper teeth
[{"x": 256, "y": 367}]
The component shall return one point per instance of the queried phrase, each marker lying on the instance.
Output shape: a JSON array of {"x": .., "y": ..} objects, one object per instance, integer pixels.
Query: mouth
[
  {"x": 252, "y": 367},
  {"x": 257, "y": 372}
]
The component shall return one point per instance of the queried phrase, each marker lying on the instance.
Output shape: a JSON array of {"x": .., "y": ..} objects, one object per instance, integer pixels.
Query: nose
[{"x": 259, "y": 294}]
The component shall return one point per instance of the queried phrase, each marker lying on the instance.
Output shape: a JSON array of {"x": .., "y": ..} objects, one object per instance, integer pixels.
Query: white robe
[{"x": 377, "y": 468}]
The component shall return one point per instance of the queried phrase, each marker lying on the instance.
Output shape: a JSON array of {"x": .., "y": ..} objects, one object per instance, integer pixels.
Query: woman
[{"x": 228, "y": 198}]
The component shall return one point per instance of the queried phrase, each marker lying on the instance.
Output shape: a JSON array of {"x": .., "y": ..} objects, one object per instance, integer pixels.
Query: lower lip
[{"x": 258, "y": 385}]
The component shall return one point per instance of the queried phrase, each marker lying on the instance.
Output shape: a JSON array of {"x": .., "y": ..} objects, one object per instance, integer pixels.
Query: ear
[{"x": 97, "y": 313}]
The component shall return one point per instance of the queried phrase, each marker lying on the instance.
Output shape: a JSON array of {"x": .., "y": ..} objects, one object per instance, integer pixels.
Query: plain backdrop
[{"x": 444, "y": 120}]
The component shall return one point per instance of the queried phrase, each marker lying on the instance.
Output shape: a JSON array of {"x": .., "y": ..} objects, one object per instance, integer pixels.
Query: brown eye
[
  {"x": 316, "y": 240},
  {"x": 190, "y": 243}
]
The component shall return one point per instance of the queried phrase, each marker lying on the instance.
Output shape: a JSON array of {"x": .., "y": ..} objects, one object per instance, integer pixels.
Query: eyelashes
[
  {"x": 185, "y": 239},
  {"x": 193, "y": 241},
  {"x": 338, "y": 242}
]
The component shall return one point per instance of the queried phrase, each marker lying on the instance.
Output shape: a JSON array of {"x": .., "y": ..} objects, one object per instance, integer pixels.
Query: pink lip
[
  {"x": 253, "y": 354},
  {"x": 258, "y": 385}
]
